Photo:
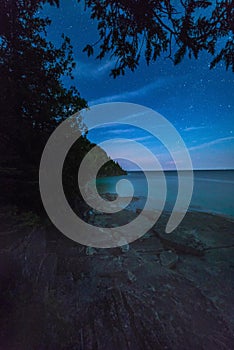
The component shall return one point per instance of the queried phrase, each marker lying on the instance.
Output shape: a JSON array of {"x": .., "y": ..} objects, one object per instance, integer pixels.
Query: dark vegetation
[
  {"x": 34, "y": 101},
  {"x": 131, "y": 29}
]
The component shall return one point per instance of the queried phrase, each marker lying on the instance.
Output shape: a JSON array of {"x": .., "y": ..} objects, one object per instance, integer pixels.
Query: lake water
[{"x": 213, "y": 190}]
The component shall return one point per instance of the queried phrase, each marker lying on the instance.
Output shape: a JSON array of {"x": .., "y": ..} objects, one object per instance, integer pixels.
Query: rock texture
[
  {"x": 168, "y": 259},
  {"x": 56, "y": 294}
]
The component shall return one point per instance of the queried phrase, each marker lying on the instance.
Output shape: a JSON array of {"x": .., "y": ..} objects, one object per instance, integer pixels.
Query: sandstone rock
[
  {"x": 109, "y": 196},
  {"x": 46, "y": 274},
  {"x": 31, "y": 252},
  {"x": 125, "y": 248},
  {"x": 114, "y": 301},
  {"x": 168, "y": 259},
  {"x": 182, "y": 241},
  {"x": 131, "y": 276},
  {"x": 90, "y": 251},
  {"x": 150, "y": 214},
  {"x": 138, "y": 210}
]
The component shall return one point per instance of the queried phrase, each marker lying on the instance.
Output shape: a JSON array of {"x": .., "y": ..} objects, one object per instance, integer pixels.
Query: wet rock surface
[{"x": 57, "y": 294}]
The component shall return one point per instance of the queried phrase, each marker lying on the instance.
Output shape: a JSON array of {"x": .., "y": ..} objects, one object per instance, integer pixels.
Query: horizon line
[{"x": 217, "y": 169}]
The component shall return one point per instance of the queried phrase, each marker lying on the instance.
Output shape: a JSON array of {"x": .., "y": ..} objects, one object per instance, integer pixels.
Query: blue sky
[{"x": 196, "y": 100}]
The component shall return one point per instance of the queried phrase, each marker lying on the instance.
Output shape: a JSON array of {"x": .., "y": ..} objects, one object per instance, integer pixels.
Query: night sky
[{"x": 196, "y": 100}]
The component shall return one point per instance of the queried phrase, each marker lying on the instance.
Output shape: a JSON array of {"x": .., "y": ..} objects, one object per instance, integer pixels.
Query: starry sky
[{"x": 196, "y": 100}]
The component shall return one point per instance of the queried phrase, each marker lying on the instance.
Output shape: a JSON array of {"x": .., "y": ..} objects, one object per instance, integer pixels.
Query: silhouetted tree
[
  {"x": 33, "y": 99},
  {"x": 128, "y": 29}
]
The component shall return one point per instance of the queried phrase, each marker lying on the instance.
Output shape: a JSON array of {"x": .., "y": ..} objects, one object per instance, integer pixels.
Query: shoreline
[
  {"x": 213, "y": 190},
  {"x": 111, "y": 196},
  {"x": 176, "y": 287}
]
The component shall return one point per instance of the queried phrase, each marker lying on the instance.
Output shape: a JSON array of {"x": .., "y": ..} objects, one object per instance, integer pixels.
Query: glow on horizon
[{"x": 200, "y": 159}]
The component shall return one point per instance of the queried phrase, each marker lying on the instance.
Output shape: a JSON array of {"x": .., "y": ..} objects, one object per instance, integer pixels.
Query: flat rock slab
[
  {"x": 168, "y": 259},
  {"x": 199, "y": 229},
  {"x": 183, "y": 242},
  {"x": 114, "y": 300}
]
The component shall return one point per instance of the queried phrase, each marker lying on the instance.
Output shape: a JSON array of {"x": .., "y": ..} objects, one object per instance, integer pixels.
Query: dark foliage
[
  {"x": 130, "y": 29},
  {"x": 74, "y": 157},
  {"x": 33, "y": 99}
]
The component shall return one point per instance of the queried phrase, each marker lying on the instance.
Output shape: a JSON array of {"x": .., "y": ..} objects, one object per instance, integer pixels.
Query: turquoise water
[{"x": 213, "y": 190}]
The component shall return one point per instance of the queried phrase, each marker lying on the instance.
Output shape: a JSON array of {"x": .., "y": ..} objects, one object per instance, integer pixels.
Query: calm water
[{"x": 213, "y": 190}]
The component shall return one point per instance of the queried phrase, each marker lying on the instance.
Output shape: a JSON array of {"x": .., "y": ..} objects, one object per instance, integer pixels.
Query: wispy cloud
[
  {"x": 91, "y": 70},
  {"x": 137, "y": 139},
  {"x": 211, "y": 143},
  {"x": 105, "y": 67},
  {"x": 120, "y": 131},
  {"x": 108, "y": 129},
  {"x": 159, "y": 83},
  {"x": 192, "y": 128},
  {"x": 144, "y": 138}
]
